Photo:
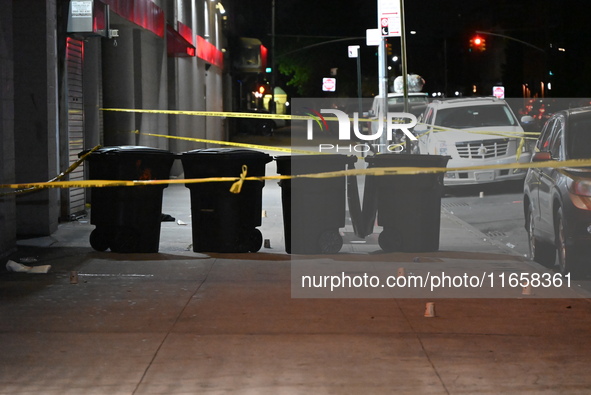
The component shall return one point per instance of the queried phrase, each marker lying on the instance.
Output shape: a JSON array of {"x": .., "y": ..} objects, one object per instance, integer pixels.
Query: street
[
  {"x": 181, "y": 322},
  {"x": 498, "y": 214}
]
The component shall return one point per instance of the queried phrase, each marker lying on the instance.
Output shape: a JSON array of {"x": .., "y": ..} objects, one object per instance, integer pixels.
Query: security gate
[{"x": 74, "y": 66}]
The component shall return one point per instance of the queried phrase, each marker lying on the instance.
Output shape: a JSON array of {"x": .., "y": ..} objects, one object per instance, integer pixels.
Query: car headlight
[
  {"x": 580, "y": 193},
  {"x": 580, "y": 187}
]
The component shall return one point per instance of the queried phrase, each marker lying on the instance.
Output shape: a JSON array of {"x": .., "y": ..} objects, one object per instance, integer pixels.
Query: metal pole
[
  {"x": 445, "y": 67},
  {"x": 383, "y": 90},
  {"x": 359, "y": 82},
  {"x": 272, "y": 101},
  {"x": 403, "y": 60},
  {"x": 404, "y": 69}
]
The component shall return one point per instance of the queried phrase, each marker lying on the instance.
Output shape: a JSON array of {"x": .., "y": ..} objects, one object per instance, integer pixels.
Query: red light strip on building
[{"x": 208, "y": 52}]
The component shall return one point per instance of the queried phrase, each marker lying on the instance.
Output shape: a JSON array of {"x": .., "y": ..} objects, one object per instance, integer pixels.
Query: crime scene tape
[
  {"x": 70, "y": 169},
  {"x": 375, "y": 171},
  {"x": 230, "y": 143},
  {"x": 238, "y": 181},
  {"x": 228, "y": 114},
  {"x": 258, "y": 115},
  {"x": 225, "y": 114},
  {"x": 222, "y": 114},
  {"x": 521, "y": 136},
  {"x": 492, "y": 133}
]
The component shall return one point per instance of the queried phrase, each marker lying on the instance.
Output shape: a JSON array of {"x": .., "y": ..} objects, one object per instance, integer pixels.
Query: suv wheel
[
  {"x": 540, "y": 252},
  {"x": 567, "y": 260}
]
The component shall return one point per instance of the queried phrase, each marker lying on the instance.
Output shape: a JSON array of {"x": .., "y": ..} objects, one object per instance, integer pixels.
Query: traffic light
[
  {"x": 478, "y": 43},
  {"x": 389, "y": 49},
  {"x": 260, "y": 90}
]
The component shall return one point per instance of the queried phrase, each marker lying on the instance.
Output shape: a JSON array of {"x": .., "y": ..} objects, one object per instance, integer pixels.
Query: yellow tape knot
[{"x": 237, "y": 186}]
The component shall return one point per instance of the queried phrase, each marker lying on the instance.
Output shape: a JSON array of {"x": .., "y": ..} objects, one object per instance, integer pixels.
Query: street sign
[
  {"x": 329, "y": 84},
  {"x": 389, "y": 18},
  {"x": 353, "y": 51},
  {"x": 499, "y": 92},
  {"x": 373, "y": 37}
]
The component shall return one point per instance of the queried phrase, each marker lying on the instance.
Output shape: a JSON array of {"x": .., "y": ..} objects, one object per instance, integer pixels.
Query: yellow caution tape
[
  {"x": 230, "y": 143},
  {"x": 238, "y": 181},
  {"x": 437, "y": 129},
  {"x": 70, "y": 169},
  {"x": 374, "y": 171},
  {"x": 516, "y": 135},
  {"x": 237, "y": 186},
  {"x": 228, "y": 114},
  {"x": 222, "y": 114},
  {"x": 257, "y": 115}
]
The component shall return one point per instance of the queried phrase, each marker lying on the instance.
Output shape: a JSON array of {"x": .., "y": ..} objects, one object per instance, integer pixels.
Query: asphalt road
[{"x": 495, "y": 209}]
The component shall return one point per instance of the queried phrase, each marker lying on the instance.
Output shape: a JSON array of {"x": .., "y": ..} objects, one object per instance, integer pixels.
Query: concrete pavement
[{"x": 180, "y": 322}]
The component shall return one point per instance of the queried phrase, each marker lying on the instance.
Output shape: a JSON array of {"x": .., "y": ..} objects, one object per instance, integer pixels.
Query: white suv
[{"x": 474, "y": 132}]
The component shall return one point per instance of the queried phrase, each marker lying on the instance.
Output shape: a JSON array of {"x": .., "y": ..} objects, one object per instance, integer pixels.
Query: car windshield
[
  {"x": 579, "y": 138},
  {"x": 475, "y": 117},
  {"x": 411, "y": 99}
]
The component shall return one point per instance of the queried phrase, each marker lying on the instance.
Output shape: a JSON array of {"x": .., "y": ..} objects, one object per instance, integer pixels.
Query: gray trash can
[
  {"x": 313, "y": 209},
  {"x": 408, "y": 207}
]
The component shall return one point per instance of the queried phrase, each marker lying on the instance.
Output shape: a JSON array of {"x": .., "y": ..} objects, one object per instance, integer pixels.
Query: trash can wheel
[
  {"x": 389, "y": 240},
  {"x": 330, "y": 242},
  {"x": 100, "y": 239},
  {"x": 252, "y": 241},
  {"x": 125, "y": 240}
]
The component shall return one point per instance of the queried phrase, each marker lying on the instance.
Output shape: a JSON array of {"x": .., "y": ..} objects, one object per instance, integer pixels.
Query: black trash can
[
  {"x": 127, "y": 219},
  {"x": 313, "y": 209},
  {"x": 224, "y": 221},
  {"x": 408, "y": 206}
]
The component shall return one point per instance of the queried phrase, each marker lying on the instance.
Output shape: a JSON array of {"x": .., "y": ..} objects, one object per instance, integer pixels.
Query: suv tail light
[{"x": 580, "y": 193}]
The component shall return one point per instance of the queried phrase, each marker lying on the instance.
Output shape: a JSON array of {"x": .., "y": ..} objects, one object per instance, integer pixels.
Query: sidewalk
[{"x": 180, "y": 322}]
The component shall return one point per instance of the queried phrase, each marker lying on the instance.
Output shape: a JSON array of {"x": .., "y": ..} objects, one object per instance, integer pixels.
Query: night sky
[{"x": 443, "y": 30}]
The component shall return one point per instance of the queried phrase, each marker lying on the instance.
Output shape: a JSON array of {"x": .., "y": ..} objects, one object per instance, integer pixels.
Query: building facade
[{"x": 59, "y": 75}]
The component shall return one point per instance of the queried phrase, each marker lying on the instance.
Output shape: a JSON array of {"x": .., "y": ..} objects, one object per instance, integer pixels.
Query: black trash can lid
[
  {"x": 226, "y": 153},
  {"x": 301, "y": 164},
  {"x": 127, "y": 150}
]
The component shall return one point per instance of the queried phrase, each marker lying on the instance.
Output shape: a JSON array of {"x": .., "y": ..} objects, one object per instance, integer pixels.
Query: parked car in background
[
  {"x": 474, "y": 132},
  {"x": 416, "y": 104},
  {"x": 557, "y": 201}
]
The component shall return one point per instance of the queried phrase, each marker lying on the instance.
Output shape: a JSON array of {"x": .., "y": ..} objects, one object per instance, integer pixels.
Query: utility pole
[
  {"x": 391, "y": 24},
  {"x": 383, "y": 89},
  {"x": 272, "y": 101}
]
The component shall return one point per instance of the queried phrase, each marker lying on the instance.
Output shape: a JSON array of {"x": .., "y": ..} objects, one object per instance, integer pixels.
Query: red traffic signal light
[
  {"x": 477, "y": 43},
  {"x": 260, "y": 90}
]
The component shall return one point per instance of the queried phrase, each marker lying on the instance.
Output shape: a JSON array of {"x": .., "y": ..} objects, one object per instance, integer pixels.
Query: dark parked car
[{"x": 557, "y": 202}]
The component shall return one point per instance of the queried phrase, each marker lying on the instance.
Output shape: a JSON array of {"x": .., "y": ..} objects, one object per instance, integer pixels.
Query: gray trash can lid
[
  {"x": 301, "y": 164},
  {"x": 226, "y": 153},
  {"x": 127, "y": 150}
]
